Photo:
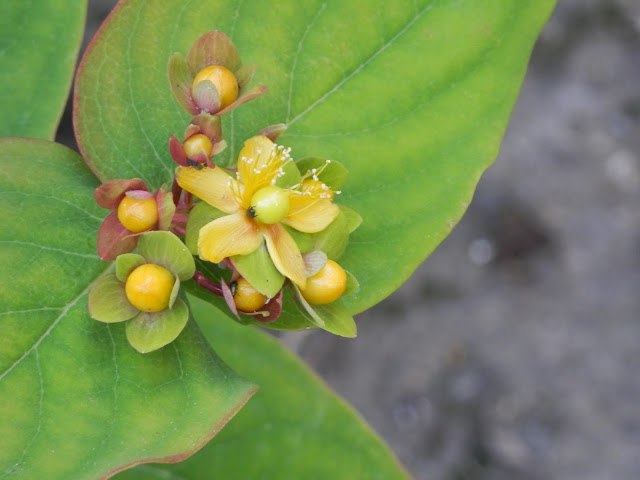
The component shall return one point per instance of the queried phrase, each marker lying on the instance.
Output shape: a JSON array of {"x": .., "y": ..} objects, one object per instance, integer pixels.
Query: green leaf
[
  {"x": 413, "y": 103},
  {"x": 76, "y": 400},
  {"x": 294, "y": 427},
  {"x": 39, "y": 43}
]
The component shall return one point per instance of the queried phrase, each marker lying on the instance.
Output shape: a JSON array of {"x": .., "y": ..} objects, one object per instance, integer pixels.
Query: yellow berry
[
  {"x": 196, "y": 144},
  {"x": 325, "y": 286},
  {"x": 149, "y": 287},
  {"x": 138, "y": 215},
  {"x": 247, "y": 298},
  {"x": 270, "y": 204},
  {"x": 224, "y": 81}
]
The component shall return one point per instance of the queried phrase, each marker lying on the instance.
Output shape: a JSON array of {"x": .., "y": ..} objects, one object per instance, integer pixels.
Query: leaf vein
[
  {"x": 53, "y": 249},
  {"x": 132, "y": 99},
  {"x": 360, "y": 67},
  {"x": 32, "y": 310},
  {"x": 295, "y": 58},
  {"x": 53, "y": 325},
  {"x": 51, "y": 197}
]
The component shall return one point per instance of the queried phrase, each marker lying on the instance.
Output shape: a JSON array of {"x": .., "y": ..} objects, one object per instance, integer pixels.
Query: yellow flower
[{"x": 257, "y": 209}]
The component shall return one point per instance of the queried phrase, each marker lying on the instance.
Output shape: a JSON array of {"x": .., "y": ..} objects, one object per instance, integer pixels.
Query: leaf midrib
[{"x": 362, "y": 65}]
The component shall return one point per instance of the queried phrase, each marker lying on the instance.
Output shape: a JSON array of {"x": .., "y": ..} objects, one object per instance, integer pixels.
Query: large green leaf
[
  {"x": 76, "y": 400},
  {"x": 39, "y": 43},
  {"x": 412, "y": 97},
  {"x": 294, "y": 427}
]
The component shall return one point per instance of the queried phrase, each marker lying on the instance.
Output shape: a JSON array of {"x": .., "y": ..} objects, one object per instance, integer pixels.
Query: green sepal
[
  {"x": 352, "y": 284},
  {"x": 258, "y": 269},
  {"x": 334, "y": 239},
  {"x": 302, "y": 239},
  {"x": 244, "y": 75},
  {"x": 127, "y": 263},
  {"x": 333, "y": 174},
  {"x": 165, "y": 249},
  {"x": 150, "y": 331},
  {"x": 174, "y": 292},
  {"x": 273, "y": 132},
  {"x": 166, "y": 208},
  {"x": 291, "y": 175},
  {"x": 354, "y": 220},
  {"x": 333, "y": 317},
  {"x": 108, "y": 301},
  {"x": 213, "y": 48},
  {"x": 206, "y": 96},
  {"x": 314, "y": 262},
  {"x": 180, "y": 81},
  {"x": 199, "y": 216}
]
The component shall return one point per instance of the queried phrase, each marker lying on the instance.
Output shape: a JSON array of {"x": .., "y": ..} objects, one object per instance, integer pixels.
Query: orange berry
[
  {"x": 224, "y": 81},
  {"x": 326, "y": 286},
  {"x": 197, "y": 143},
  {"x": 149, "y": 287},
  {"x": 138, "y": 215},
  {"x": 247, "y": 298}
]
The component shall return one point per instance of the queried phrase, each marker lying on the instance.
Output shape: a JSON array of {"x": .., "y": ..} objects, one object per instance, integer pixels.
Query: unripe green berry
[{"x": 269, "y": 204}]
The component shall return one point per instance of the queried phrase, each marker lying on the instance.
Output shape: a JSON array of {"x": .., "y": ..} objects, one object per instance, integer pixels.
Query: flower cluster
[{"x": 263, "y": 231}]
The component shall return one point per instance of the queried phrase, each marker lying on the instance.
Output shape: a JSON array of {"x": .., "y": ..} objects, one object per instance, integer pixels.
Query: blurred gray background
[{"x": 514, "y": 351}]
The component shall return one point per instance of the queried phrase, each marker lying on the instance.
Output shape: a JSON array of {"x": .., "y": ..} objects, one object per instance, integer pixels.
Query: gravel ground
[{"x": 513, "y": 351}]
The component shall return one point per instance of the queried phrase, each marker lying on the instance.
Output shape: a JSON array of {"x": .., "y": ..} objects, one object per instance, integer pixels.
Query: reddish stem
[
  {"x": 180, "y": 230},
  {"x": 176, "y": 191},
  {"x": 207, "y": 284},
  {"x": 180, "y": 218}
]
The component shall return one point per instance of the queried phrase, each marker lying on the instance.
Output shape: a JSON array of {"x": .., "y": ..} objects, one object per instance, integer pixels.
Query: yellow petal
[
  {"x": 309, "y": 214},
  {"x": 285, "y": 254},
  {"x": 227, "y": 236},
  {"x": 259, "y": 163},
  {"x": 213, "y": 185}
]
